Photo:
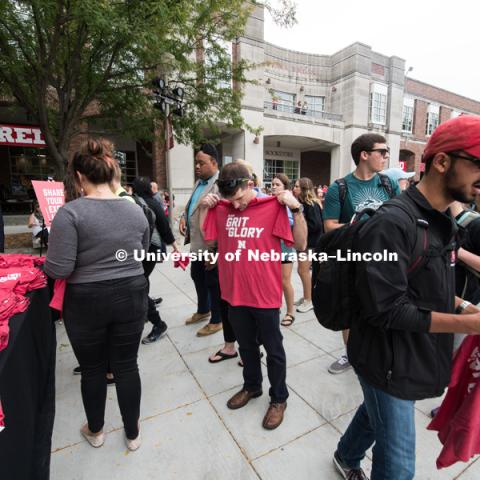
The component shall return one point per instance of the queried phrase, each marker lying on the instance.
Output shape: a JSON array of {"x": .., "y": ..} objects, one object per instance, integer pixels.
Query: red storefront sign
[
  {"x": 21, "y": 136},
  {"x": 403, "y": 166}
]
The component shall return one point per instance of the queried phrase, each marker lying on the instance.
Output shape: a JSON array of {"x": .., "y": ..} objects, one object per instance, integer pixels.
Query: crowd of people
[{"x": 400, "y": 343}]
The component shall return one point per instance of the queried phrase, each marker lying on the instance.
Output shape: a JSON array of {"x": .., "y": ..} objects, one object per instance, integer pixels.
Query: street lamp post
[
  {"x": 169, "y": 101},
  {"x": 404, "y": 89}
]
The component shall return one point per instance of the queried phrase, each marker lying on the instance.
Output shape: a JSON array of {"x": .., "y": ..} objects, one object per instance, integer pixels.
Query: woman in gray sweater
[{"x": 91, "y": 245}]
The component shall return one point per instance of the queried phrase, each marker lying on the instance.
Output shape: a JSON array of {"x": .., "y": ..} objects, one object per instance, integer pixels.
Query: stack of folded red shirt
[
  {"x": 18, "y": 275},
  {"x": 20, "y": 260}
]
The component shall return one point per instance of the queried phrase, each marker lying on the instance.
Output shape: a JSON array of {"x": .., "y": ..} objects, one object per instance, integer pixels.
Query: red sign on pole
[
  {"x": 50, "y": 196},
  {"x": 21, "y": 136}
]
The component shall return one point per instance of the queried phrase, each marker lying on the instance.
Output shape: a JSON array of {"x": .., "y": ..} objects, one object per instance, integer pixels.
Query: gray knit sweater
[{"x": 86, "y": 234}]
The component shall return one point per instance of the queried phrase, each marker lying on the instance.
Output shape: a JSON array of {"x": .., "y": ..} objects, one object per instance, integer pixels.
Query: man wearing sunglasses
[
  {"x": 364, "y": 187},
  {"x": 244, "y": 224},
  {"x": 401, "y": 341}
]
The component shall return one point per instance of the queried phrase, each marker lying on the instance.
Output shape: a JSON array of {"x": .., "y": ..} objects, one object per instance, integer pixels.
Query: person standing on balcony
[
  {"x": 304, "y": 107},
  {"x": 274, "y": 102}
]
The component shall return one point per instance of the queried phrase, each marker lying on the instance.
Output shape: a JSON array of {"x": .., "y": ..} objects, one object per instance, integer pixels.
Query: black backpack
[
  {"x": 343, "y": 189},
  {"x": 147, "y": 211},
  {"x": 334, "y": 296}
]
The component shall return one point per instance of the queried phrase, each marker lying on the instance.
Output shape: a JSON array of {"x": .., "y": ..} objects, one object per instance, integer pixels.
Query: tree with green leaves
[{"x": 73, "y": 64}]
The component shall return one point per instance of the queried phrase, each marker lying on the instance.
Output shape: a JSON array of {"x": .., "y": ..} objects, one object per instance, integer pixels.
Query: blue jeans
[{"x": 389, "y": 422}]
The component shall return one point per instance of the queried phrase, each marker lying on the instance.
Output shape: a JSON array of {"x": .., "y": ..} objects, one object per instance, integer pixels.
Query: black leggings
[
  {"x": 104, "y": 322},
  {"x": 152, "y": 313}
]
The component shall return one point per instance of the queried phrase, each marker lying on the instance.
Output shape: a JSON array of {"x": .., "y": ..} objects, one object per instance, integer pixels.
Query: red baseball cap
[{"x": 460, "y": 133}]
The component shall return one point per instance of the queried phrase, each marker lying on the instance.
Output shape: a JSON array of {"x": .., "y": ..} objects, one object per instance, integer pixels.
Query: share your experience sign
[{"x": 50, "y": 197}]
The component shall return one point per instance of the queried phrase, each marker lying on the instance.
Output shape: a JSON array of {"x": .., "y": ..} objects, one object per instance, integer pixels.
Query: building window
[
  {"x": 272, "y": 167},
  {"x": 433, "y": 119},
  {"x": 315, "y": 105},
  {"x": 407, "y": 116},
  {"x": 218, "y": 59},
  {"x": 378, "y": 104},
  {"x": 455, "y": 114},
  {"x": 285, "y": 101}
]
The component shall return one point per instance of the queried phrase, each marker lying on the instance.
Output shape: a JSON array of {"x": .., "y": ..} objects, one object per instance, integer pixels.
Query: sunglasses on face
[
  {"x": 231, "y": 184},
  {"x": 382, "y": 151},
  {"x": 475, "y": 160}
]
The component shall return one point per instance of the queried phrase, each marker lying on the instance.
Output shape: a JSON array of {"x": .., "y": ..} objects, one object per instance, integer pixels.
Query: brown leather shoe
[
  {"x": 197, "y": 317},
  {"x": 209, "y": 329},
  {"x": 241, "y": 398},
  {"x": 274, "y": 416}
]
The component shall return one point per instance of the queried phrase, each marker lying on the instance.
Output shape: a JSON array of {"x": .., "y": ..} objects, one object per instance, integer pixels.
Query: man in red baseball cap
[
  {"x": 460, "y": 133},
  {"x": 455, "y": 145},
  {"x": 401, "y": 342}
]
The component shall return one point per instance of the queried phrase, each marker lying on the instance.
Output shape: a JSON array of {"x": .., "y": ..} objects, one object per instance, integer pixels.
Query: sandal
[
  {"x": 223, "y": 356},
  {"x": 288, "y": 319}
]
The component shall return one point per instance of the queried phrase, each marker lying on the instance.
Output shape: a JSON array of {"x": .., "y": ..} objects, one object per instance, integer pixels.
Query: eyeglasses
[
  {"x": 475, "y": 160},
  {"x": 383, "y": 151},
  {"x": 231, "y": 184}
]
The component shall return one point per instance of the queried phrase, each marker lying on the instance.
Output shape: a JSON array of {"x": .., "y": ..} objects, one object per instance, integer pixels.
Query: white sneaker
[
  {"x": 298, "y": 302},
  {"x": 305, "y": 307}
]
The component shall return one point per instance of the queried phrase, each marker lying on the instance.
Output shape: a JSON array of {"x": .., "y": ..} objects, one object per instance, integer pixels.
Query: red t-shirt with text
[{"x": 258, "y": 229}]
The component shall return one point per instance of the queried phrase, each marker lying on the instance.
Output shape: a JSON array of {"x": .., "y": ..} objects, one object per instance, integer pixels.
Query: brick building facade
[{"x": 427, "y": 99}]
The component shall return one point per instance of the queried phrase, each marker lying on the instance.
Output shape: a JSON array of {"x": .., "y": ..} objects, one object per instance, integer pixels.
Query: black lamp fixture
[{"x": 167, "y": 99}]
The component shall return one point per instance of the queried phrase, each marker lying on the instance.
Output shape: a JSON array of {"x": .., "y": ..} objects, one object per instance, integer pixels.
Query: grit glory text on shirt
[{"x": 259, "y": 227}]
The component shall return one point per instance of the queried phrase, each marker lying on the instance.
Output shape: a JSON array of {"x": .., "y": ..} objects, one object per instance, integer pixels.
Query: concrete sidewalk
[{"x": 189, "y": 433}]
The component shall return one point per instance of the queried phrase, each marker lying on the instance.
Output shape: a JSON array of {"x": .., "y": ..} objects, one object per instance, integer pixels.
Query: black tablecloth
[{"x": 27, "y": 392}]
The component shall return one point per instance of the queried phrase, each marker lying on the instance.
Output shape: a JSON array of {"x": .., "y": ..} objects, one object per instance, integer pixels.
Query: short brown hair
[
  {"x": 94, "y": 160},
  {"x": 229, "y": 173},
  {"x": 365, "y": 143}
]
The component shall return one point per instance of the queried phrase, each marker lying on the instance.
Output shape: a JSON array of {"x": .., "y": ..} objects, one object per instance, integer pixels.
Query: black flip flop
[
  {"x": 287, "y": 320},
  {"x": 223, "y": 356}
]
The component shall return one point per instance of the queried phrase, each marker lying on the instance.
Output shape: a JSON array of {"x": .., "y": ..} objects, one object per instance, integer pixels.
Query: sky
[{"x": 439, "y": 39}]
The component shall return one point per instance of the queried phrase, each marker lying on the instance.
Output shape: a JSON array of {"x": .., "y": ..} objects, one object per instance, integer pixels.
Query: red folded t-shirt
[{"x": 58, "y": 294}]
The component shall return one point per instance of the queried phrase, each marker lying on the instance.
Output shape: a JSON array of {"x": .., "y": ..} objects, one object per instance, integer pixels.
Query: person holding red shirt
[{"x": 248, "y": 231}]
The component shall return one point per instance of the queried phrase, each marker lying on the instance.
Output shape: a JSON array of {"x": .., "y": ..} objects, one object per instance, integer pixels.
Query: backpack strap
[
  {"x": 421, "y": 249},
  {"x": 342, "y": 193},
  {"x": 387, "y": 184}
]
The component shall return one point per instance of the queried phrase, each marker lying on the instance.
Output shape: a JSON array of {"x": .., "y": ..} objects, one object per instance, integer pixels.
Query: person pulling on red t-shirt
[{"x": 248, "y": 231}]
